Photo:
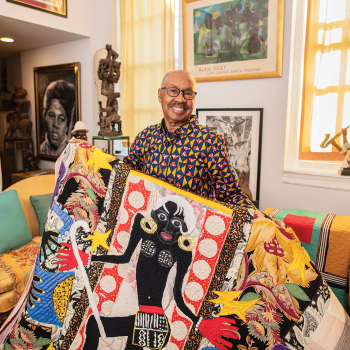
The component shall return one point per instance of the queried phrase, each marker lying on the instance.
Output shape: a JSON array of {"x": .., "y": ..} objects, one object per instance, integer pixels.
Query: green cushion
[
  {"x": 41, "y": 205},
  {"x": 14, "y": 229}
]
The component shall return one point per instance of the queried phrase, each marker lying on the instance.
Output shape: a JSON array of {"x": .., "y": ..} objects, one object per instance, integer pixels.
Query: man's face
[
  {"x": 177, "y": 109},
  {"x": 56, "y": 121},
  {"x": 169, "y": 225}
]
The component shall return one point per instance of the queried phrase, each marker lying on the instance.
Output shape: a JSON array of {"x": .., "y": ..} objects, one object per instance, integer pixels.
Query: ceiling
[{"x": 29, "y": 36}]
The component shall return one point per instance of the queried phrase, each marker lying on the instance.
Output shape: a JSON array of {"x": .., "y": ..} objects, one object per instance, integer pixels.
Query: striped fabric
[{"x": 326, "y": 238}]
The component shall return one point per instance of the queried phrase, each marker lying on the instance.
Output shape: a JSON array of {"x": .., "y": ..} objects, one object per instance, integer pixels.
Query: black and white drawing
[
  {"x": 241, "y": 129},
  {"x": 57, "y": 90}
]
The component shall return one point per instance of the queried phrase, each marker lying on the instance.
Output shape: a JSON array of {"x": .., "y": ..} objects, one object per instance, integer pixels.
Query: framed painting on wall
[
  {"x": 55, "y": 7},
  {"x": 57, "y": 107},
  {"x": 242, "y": 130},
  {"x": 229, "y": 40}
]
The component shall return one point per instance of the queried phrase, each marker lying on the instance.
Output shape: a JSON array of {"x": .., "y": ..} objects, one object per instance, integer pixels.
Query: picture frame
[
  {"x": 242, "y": 130},
  {"x": 57, "y": 107},
  {"x": 245, "y": 39},
  {"x": 48, "y": 6}
]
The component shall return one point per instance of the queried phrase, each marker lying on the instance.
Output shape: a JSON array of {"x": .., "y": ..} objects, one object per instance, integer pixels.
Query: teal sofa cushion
[
  {"x": 14, "y": 229},
  {"x": 41, "y": 205}
]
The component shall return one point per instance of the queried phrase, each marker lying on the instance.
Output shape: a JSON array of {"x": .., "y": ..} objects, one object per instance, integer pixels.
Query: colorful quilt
[
  {"x": 131, "y": 262},
  {"x": 326, "y": 238}
]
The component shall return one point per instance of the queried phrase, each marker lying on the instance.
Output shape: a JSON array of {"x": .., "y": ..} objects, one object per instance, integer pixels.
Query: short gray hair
[{"x": 173, "y": 71}]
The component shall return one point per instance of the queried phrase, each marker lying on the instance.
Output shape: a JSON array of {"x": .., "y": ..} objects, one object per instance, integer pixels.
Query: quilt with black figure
[{"x": 131, "y": 262}]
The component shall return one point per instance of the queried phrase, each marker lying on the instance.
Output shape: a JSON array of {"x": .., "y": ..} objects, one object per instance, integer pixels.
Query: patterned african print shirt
[{"x": 196, "y": 160}]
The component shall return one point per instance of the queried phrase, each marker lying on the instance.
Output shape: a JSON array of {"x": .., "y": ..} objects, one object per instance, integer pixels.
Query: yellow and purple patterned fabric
[
  {"x": 326, "y": 238},
  {"x": 233, "y": 279},
  {"x": 196, "y": 160}
]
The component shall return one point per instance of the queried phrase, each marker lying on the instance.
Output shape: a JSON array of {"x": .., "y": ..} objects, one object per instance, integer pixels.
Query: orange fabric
[
  {"x": 20, "y": 262},
  {"x": 338, "y": 255}
]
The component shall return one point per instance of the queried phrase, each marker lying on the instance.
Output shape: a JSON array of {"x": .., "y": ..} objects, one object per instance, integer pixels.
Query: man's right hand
[{"x": 76, "y": 141}]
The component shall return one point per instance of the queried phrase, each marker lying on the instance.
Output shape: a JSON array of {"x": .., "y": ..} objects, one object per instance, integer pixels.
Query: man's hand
[
  {"x": 68, "y": 259},
  {"x": 76, "y": 141},
  {"x": 216, "y": 328}
]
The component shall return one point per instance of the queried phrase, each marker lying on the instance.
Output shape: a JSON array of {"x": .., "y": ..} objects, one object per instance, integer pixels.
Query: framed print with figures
[
  {"x": 57, "y": 107},
  {"x": 242, "y": 130},
  {"x": 55, "y": 7},
  {"x": 229, "y": 40}
]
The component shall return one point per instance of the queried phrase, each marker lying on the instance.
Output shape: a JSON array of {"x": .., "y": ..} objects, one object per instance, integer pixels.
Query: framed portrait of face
[
  {"x": 57, "y": 107},
  {"x": 242, "y": 130}
]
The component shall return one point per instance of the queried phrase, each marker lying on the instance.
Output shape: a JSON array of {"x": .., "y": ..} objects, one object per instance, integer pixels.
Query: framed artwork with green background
[{"x": 228, "y": 40}]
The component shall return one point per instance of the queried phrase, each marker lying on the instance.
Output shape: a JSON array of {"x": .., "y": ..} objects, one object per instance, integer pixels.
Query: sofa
[
  {"x": 16, "y": 264},
  {"x": 326, "y": 238}
]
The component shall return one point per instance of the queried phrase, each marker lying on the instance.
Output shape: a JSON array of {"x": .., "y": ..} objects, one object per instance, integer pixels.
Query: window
[
  {"x": 313, "y": 172},
  {"x": 325, "y": 107}
]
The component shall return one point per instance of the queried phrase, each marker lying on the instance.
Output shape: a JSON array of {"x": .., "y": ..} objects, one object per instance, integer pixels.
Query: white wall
[
  {"x": 271, "y": 94},
  {"x": 75, "y": 51},
  {"x": 81, "y": 16}
]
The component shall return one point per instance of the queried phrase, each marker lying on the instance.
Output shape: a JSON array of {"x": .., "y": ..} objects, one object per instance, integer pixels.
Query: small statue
[
  {"x": 31, "y": 162},
  {"x": 345, "y": 169},
  {"x": 19, "y": 120},
  {"x": 80, "y": 131},
  {"x": 109, "y": 72}
]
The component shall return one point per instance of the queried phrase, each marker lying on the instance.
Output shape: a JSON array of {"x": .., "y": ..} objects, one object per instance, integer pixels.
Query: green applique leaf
[
  {"x": 91, "y": 194},
  {"x": 250, "y": 296},
  {"x": 8, "y": 346},
  {"x": 42, "y": 342},
  {"x": 297, "y": 292}
]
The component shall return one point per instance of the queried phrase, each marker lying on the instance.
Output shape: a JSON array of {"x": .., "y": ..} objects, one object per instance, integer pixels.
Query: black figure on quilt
[{"x": 166, "y": 240}]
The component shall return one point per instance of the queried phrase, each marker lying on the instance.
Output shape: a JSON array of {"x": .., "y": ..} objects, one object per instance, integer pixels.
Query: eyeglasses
[{"x": 174, "y": 92}]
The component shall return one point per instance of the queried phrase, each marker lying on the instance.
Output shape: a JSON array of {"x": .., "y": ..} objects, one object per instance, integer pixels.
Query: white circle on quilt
[
  {"x": 194, "y": 291},
  {"x": 108, "y": 284},
  {"x": 201, "y": 269},
  {"x": 148, "y": 185},
  {"x": 124, "y": 216},
  {"x": 133, "y": 178},
  {"x": 136, "y": 199},
  {"x": 107, "y": 307},
  {"x": 109, "y": 266},
  {"x": 215, "y": 225},
  {"x": 191, "y": 307},
  {"x": 76, "y": 342},
  {"x": 123, "y": 238},
  {"x": 208, "y": 248},
  {"x": 178, "y": 330},
  {"x": 96, "y": 298},
  {"x": 171, "y": 346},
  {"x": 123, "y": 270}
]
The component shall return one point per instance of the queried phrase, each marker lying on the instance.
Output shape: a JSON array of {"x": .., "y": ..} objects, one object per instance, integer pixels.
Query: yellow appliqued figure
[
  {"x": 99, "y": 239},
  {"x": 301, "y": 258},
  {"x": 231, "y": 305},
  {"x": 99, "y": 160}
]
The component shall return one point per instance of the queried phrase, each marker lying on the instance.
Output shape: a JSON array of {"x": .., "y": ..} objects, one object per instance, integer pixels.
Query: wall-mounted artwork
[
  {"x": 242, "y": 130},
  {"x": 55, "y": 7},
  {"x": 226, "y": 40},
  {"x": 57, "y": 99}
]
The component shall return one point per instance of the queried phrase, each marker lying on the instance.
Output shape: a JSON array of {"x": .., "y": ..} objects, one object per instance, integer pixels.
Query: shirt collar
[{"x": 184, "y": 129}]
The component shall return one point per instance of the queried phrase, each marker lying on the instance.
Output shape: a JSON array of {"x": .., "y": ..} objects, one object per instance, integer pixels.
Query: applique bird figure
[
  {"x": 300, "y": 260},
  {"x": 99, "y": 239},
  {"x": 231, "y": 305},
  {"x": 99, "y": 160}
]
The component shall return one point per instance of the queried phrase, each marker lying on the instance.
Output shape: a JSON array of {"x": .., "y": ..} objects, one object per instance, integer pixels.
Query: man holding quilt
[{"x": 180, "y": 151}]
